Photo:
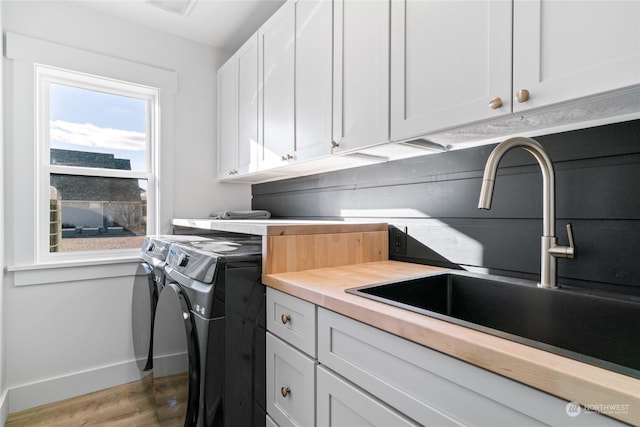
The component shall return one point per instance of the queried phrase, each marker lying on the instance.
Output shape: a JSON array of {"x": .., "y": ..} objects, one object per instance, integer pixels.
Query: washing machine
[
  {"x": 211, "y": 288},
  {"x": 148, "y": 280}
]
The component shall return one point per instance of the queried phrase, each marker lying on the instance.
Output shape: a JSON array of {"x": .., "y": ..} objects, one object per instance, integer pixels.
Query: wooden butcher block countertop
[{"x": 567, "y": 378}]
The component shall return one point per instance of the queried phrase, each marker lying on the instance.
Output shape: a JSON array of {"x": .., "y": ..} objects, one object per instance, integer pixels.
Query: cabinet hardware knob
[
  {"x": 495, "y": 103},
  {"x": 522, "y": 95},
  {"x": 287, "y": 157},
  {"x": 335, "y": 144},
  {"x": 285, "y": 391},
  {"x": 285, "y": 318}
]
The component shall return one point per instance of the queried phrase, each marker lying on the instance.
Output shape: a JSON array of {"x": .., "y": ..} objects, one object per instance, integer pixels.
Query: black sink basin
[{"x": 601, "y": 331}]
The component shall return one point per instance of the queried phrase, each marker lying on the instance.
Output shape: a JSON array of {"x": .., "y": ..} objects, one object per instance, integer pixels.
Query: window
[{"x": 97, "y": 141}]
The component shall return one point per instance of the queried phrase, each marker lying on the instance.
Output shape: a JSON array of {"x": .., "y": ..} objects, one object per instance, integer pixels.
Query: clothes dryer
[{"x": 189, "y": 335}]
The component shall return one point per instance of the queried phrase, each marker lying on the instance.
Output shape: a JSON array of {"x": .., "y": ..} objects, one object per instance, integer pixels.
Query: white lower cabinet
[
  {"x": 326, "y": 369},
  {"x": 270, "y": 422},
  {"x": 432, "y": 388},
  {"x": 291, "y": 360},
  {"x": 293, "y": 320},
  {"x": 291, "y": 385},
  {"x": 341, "y": 404}
]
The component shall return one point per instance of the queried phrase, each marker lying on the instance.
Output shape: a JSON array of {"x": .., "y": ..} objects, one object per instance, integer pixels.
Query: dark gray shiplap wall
[{"x": 435, "y": 197}]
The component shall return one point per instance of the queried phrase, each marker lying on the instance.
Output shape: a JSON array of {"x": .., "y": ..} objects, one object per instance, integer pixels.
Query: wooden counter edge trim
[{"x": 560, "y": 376}]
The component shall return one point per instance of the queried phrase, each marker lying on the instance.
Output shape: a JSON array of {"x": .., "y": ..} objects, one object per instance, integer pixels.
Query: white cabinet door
[
  {"x": 448, "y": 60},
  {"x": 291, "y": 386},
  {"x": 313, "y": 74},
  {"x": 227, "y": 120},
  {"x": 238, "y": 112},
  {"x": 433, "y": 388},
  {"x": 565, "y": 50},
  {"x": 292, "y": 319},
  {"x": 361, "y": 73},
  {"x": 276, "y": 40},
  {"x": 341, "y": 404},
  {"x": 247, "y": 72}
]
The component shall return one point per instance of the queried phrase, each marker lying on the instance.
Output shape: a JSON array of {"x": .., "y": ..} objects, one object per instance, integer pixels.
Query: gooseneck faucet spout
[{"x": 549, "y": 249}]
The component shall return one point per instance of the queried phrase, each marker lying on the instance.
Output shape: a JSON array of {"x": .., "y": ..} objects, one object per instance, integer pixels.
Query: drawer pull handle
[
  {"x": 285, "y": 318},
  {"x": 522, "y": 95},
  {"x": 495, "y": 103},
  {"x": 285, "y": 391}
]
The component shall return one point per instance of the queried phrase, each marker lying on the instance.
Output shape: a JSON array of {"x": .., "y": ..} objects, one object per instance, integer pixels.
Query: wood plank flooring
[{"x": 124, "y": 405}]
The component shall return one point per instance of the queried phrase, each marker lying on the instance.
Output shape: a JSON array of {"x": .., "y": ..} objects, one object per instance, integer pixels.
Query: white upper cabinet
[
  {"x": 238, "y": 112},
  {"x": 450, "y": 64},
  {"x": 313, "y": 78},
  {"x": 361, "y": 73},
  {"x": 565, "y": 50},
  {"x": 247, "y": 69},
  {"x": 296, "y": 94},
  {"x": 347, "y": 76},
  {"x": 227, "y": 119},
  {"x": 276, "y": 40}
]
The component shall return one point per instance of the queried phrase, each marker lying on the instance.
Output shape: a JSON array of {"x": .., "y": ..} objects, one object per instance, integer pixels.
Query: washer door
[
  {"x": 143, "y": 307},
  {"x": 176, "y": 365}
]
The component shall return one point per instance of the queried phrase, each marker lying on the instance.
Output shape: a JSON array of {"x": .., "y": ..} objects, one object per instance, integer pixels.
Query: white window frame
[
  {"x": 44, "y": 77},
  {"x": 21, "y": 196}
]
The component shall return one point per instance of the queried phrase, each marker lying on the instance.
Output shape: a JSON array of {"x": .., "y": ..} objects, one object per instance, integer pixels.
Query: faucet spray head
[{"x": 486, "y": 194}]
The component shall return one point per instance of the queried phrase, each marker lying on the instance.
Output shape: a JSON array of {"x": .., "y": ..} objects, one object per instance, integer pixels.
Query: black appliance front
[
  {"x": 176, "y": 359},
  {"x": 245, "y": 348},
  {"x": 148, "y": 282},
  {"x": 209, "y": 336},
  {"x": 143, "y": 307}
]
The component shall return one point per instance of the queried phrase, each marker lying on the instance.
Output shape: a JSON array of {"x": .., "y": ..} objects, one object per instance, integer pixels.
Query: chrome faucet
[{"x": 549, "y": 249}]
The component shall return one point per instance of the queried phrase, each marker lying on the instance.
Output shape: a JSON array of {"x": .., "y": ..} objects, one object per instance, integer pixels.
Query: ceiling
[{"x": 224, "y": 24}]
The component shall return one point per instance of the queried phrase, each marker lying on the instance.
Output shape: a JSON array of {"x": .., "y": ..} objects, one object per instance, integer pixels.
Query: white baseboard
[
  {"x": 54, "y": 389},
  {"x": 4, "y": 406}
]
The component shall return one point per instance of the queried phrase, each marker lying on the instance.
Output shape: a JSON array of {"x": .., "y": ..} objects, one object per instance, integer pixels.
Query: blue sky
[{"x": 87, "y": 120}]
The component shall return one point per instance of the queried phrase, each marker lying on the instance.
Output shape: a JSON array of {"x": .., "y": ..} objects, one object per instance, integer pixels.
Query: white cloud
[{"x": 89, "y": 135}]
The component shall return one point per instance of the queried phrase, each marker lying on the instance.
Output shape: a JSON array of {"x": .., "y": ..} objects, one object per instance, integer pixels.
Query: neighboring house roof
[
  {"x": 88, "y": 159},
  {"x": 93, "y": 188}
]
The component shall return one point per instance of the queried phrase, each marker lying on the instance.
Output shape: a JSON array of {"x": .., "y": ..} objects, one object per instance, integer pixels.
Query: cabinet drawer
[
  {"x": 292, "y": 319},
  {"x": 291, "y": 384},
  {"x": 340, "y": 403},
  {"x": 270, "y": 422},
  {"x": 430, "y": 387}
]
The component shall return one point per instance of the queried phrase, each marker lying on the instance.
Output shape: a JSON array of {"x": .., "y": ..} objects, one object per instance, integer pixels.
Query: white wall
[
  {"x": 4, "y": 407},
  {"x": 66, "y": 339},
  {"x": 195, "y": 190}
]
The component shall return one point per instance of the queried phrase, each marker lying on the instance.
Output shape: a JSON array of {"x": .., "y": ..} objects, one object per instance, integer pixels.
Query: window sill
[{"x": 76, "y": 270}]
